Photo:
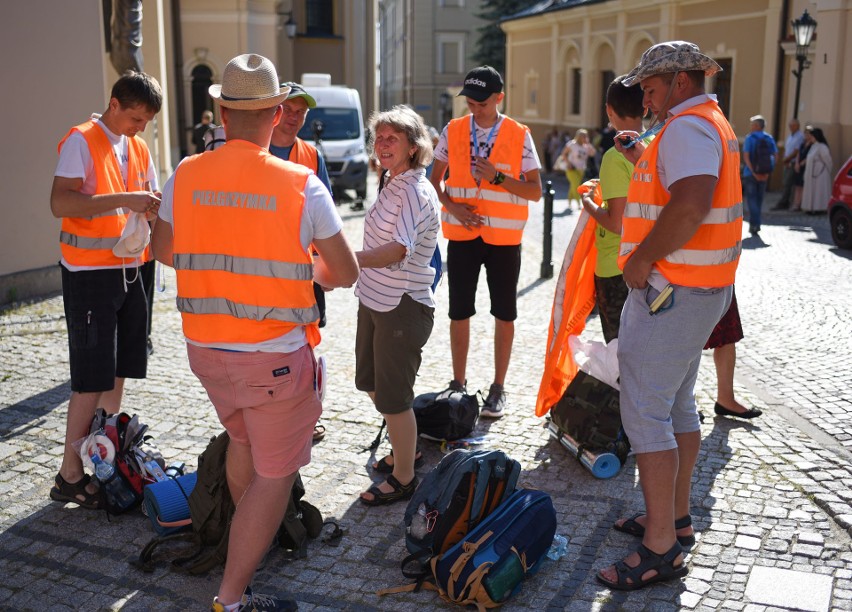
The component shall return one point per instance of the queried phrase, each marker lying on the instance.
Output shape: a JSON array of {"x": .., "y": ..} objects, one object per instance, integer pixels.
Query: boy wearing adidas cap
[
  {"x": 493, "y": 175},
  {"x": 239, "y": 226}
]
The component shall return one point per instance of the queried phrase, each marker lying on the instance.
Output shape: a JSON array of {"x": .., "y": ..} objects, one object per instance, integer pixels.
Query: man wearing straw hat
[
  {"x": 680, "y": 245},
  {"x": 237, "y": 224}
]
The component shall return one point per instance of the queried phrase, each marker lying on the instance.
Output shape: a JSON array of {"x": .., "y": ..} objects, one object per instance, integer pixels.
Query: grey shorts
[
  {"x": 658, "y": 358},
  {"x": 388, "y": 351}
]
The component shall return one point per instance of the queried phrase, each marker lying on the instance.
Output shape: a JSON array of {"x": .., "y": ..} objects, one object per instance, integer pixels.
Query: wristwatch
[{"x": 499, "y": 177}]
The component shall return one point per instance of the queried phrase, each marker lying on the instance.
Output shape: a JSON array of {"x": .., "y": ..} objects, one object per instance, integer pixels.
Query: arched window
[{"x": 202, "y": 79}]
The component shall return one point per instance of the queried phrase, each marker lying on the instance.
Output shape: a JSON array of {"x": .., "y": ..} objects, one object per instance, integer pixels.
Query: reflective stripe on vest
[
  {"x": 710, "y": 257},
  {"x": 504, "y": 214},
  {"x": 222, "y": 306},
  {"x": 88, "y": 241},
  {"x": 243, "y": 265},
  {"x": 242, "y": 273}
]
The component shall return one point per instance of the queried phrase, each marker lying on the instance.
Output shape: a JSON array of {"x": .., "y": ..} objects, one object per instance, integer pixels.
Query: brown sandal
[{"x": 75, "y": 492}]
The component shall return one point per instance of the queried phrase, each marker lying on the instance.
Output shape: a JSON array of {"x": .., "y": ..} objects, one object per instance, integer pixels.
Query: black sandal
[
  {"x": 383, "y": 467},
  {"x": 319, "y": 432},
  {"x": 663, "y": 564},
  {"x": 400, "y": 492},
  {"x": 75, "y": 492},
  {"x": 631, "y": 527}
]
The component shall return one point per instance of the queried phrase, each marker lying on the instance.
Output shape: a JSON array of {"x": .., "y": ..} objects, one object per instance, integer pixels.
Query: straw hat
[
  {"x": 249, "y": 82},
  {"x": 672, "y": 56}
]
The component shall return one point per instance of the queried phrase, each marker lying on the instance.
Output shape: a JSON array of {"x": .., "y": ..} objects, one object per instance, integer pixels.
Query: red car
[{"x": 840, "y": 207}]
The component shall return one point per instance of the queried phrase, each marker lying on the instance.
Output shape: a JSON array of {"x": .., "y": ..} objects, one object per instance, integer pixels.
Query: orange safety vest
[
  {"x": 710, "y": 257},
  {"x": 242, "y": 273},
  {"x": 504, "y": 214},
  {"x": 304, "y": 154},
  {"x": 88, "y": 241}
]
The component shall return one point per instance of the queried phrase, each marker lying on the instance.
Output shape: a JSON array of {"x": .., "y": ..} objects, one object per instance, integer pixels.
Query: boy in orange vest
[
  {"x": 104, "y": 173},
  {"x": 493, "y": 175}
]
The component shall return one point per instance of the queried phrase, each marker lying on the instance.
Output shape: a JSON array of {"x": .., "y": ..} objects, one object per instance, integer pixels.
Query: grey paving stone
[{"x": 789, "y": 589}]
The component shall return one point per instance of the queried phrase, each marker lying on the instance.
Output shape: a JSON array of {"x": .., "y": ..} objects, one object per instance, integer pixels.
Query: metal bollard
[{"x": 547, "y": 240}]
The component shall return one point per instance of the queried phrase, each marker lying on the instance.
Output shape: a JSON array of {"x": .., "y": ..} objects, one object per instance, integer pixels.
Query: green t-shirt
[{"x": 615, "y": 179}]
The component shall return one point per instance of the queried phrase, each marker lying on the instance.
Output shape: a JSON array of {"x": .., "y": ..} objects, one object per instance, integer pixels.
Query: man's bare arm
[
  {"x": 67, "y": 201},
  {"x": 162, "y": 243},
  {"x": 336, "y": 265}
]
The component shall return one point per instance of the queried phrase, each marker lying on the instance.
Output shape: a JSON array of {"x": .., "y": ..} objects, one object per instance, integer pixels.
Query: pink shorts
[{"x": 265, "y": 400}]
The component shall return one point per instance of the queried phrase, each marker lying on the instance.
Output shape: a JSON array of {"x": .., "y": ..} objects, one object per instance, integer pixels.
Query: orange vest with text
[
  {"x": 709, "y": 258},
  {"x": 88, "y": 241},
  {"x": 242, "y": 273},
  {"x": 505, "y": 214}
]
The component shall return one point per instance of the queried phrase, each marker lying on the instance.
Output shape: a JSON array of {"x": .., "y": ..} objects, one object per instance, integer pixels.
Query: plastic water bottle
[
  {"x": 558, "y": 548},
  {"x": 418, "y": 528},
  {"x": 114, "y": 487},
  {"x": 103, "y": 471}
]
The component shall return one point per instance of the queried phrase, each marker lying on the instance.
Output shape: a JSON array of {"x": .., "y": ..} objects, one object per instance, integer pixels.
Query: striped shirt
[{"x": 406, "y": 212}]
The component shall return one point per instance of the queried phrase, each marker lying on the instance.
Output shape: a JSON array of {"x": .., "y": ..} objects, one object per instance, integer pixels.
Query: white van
[{"x": 337, "y": 126}]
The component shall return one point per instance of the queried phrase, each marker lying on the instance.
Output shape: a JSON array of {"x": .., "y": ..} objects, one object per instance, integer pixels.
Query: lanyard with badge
[{"x": 492, "y": 135}]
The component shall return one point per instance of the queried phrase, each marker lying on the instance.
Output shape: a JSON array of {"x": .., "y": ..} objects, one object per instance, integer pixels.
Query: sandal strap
[{"x": 683, "y": 522}]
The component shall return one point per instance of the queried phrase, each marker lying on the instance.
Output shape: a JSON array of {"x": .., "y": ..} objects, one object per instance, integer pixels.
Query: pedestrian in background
[
  {"x": 551, "y": 141},
  {"x": 396, "y": 306},
  {"x": 723, "y": 339},
  {"x": 791, "y": 153},
  {"x": 200, "y": 129},
  {"x": 494, "y": 174},
  {"x": 754, "y": 182},
  {"x": 817, "y": 172},
  {"x": 104, "y": 170},
  {"x": 249, "y": 315},
  {"x": 287, "y": 145},
  {"x": 681, "y": 236},
  {"x": 575, "y": 155},
  {"x": 625, "y": 110}
]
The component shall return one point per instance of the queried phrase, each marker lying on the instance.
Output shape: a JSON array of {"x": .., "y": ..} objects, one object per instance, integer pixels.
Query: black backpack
[
  {"x": 211, "y": 510},
  {"x": 763, "y": 160},
  {"x": 446, "y": 415}
]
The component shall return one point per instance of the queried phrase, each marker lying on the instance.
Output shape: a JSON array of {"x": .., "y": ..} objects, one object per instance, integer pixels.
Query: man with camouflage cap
[{"x": 680, "y": 245}]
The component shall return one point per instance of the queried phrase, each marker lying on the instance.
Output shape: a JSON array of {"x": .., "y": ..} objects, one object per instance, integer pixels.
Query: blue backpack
[
  {"x": 489, "y": 564},
  {"x": 763, "y": 159}
]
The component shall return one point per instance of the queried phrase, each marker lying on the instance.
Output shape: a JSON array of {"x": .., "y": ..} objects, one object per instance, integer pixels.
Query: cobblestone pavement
[{"x": 772, "y": 498}]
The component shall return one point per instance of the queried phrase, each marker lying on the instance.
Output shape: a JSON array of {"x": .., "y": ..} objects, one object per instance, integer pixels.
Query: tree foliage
[{"x": 491, "y": 45}]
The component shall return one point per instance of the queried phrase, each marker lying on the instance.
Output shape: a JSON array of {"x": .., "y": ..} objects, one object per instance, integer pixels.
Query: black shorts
[
  {"x": 107, "y": 327},
  {"x": 502, "y": 270}
]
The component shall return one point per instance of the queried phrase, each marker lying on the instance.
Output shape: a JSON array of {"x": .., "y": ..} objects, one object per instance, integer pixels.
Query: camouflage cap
[{"x": 672, "y": 56}]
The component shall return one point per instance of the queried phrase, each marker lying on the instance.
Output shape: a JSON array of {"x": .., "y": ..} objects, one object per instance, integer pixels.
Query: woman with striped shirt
[{"x": 396, "y": 303}]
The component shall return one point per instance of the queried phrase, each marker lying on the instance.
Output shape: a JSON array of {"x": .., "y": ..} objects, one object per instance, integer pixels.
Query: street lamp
[
  {"x": 290, "y": 25},
  {"x": 803, "y": 30}
]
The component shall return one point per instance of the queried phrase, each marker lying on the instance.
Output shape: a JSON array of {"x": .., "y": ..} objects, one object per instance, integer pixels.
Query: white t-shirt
[
  {"x": 529, "y": 160},
  {"x": 75, "y": 161},
  {"x": 319, "y": 221},
  {"x": 407, "y": 212}
]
